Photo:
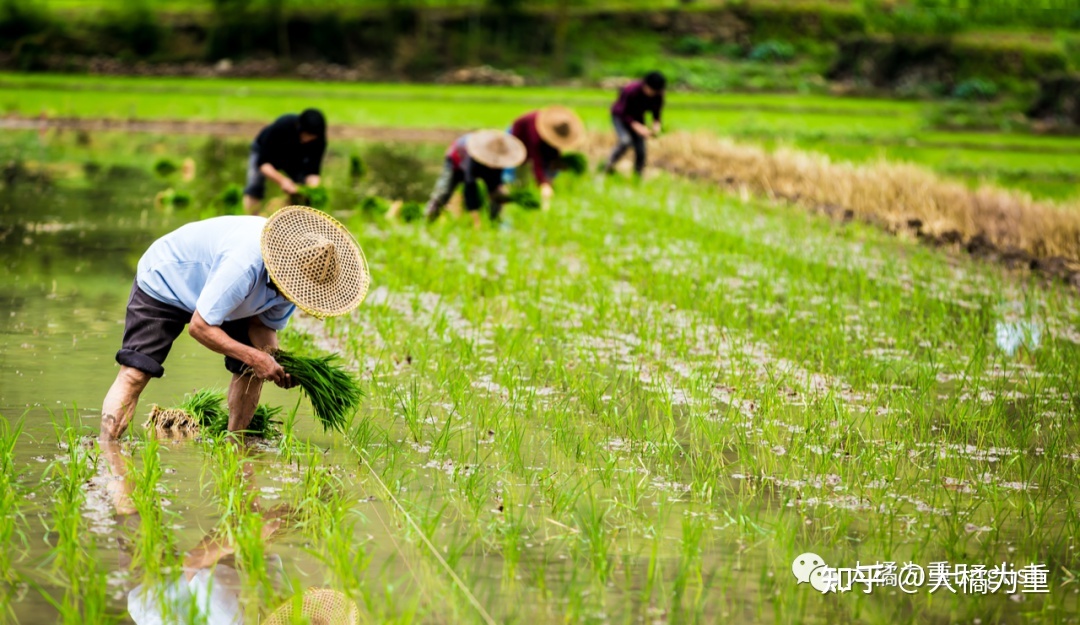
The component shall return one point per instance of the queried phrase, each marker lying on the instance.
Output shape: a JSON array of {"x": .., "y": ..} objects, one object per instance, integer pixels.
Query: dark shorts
[
  {"x": 256, "y": 181},
  {"x": 151, "y": 326}
]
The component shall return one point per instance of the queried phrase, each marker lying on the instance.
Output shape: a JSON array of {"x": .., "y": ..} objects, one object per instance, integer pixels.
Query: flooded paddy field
[
  {"x": 845, "y": 128},
  {"x": 638, "y": 407}
]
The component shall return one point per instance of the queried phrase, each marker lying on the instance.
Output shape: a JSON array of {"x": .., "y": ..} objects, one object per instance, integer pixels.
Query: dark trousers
[
  {"x": 448, "y": 182},
  {"x": 627, "y": 138}
]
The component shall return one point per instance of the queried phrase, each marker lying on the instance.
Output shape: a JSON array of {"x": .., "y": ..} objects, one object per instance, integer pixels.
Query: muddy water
[{"x": 68, "y": 258}]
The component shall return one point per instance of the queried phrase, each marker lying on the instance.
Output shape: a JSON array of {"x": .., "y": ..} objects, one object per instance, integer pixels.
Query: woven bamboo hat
[
  {"x": 495, "y": 148},
  {"x": 314, "y": 261},
  {"x": 560, "y": 127},
  {"x": 321, "y": 606}
]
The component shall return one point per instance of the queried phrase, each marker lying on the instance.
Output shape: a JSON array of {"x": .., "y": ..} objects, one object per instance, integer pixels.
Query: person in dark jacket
[
  {"x": 475, "y": 157},
  {"x": 547, "y": 134},
  {"x": 289, "y": 152},
  {"x": 628, "y": 117}
]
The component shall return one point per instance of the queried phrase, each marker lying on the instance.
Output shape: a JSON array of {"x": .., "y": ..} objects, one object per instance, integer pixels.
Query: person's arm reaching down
[
  {"x": 283, "y": 181},
  {"x": 214, "y": 338},
  {"x": 657, "y": 108}
]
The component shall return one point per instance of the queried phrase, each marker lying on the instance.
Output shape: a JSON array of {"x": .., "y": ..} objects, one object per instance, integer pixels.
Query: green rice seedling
[
  {"x": 231, "y": 197},
  {"x": 334, "y": 394},
  {"x": 208, "y": 408},
  {"x": 526, "y": 197},
  {"x": 206, "y": 411},
  {"x": 73, "y": 555},
  {"x": 165, "y": 167},
  {"x": 173, "y": 198},
  {"x": 155, "y": 544},
  {"x": 315, "y": 197},
  {"x": 575, "y": 163},
  {"x": 375, "y": 205},
  {"x": 357, "y": 168},
  {"x": 411, "y": 211},
  {"x": 249, "y": 538},
  {"x": 12, "y": 522}
]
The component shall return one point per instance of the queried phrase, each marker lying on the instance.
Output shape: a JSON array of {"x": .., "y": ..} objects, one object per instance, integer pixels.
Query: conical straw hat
[
  {"x": 560, "y": 127},
  {"x": 321, "y": 606},
  {"x": 314, "y": 261},
  {"x": 495, "y": 148}
]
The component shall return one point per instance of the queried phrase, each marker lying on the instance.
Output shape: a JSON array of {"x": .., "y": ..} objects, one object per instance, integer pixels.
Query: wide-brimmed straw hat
[
  {"x": 314, "y": 261},
  {"x": 320, "y": 606},
  {"x": 495, "y": 148},
  {"x": 560, "y": 127}
]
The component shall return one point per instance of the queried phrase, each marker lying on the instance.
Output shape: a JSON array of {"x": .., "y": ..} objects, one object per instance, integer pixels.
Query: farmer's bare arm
[
  {"x": 283, "y": 181},
  {"x": 640, "y": 128},
  {"x": 214, "y": 338},
  {"x": 265, "y": 338},
  {"x": 313, "y": 180}
]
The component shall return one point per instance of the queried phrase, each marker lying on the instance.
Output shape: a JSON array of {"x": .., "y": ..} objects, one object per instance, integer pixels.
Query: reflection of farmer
[
  {"x": 546, "y": 133},
  {"x": 478, "y": 156},
  {"x": 289, "y": 152},
  {"x": 234, "y": 281},
  {"x": 628, "y": 117},
  {"x": 205, "y": 587}
]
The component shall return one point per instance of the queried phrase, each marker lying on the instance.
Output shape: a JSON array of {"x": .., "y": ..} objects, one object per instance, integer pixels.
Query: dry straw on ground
[{"x": 895, "y": 195}]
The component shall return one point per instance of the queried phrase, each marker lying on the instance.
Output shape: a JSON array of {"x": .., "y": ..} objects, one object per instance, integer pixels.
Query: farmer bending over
[
  {"x": 233, "y": 281},
  {"x": 481, "y": 155},
  {"x": 546, "y": 133},
  {"x": 289, "y": 152},
  {"x": 628, "y": 117}
]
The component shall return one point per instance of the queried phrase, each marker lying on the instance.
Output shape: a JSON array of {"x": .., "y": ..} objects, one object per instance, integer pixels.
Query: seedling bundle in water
[
  {"x": 526, "y": 198},
  {"x": 334, "y": 394},
  {"x": 315, "y": 197},
  {"x": 207, "y": 412},
  {"x": 575, "y": 163}
]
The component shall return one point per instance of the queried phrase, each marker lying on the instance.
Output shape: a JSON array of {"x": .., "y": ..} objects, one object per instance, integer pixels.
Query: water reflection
[{"x": 208, "y": 586}]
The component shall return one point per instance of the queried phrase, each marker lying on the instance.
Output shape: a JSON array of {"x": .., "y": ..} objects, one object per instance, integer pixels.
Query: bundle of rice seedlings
[
  {"x": 375, "y": 205},
  {"x": 357, "y": 168},
  {"x": 315, "y": 197},
  {"x": 411, "y": 211},
  {"x": 334, "y": 393},
  {"x": 208, "y": 408},
  {"x": 174, "y": 198},
  {"x": 232, "y": 197},
  {"x": 575, "y": 163},
  {"x": 526, "y": 198},
  {"x": 265, "y": 422},
  {"x": 165, "y": 167},
  {"x": 207, "y": 412}
]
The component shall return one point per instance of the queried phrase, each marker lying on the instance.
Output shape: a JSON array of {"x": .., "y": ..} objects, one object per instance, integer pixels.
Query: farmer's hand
[
  {"x": 545, "y": 195},
  {"x": 288, "y": 186},
  {"x": 656, "y": 129},
  {"x": 266, "y": 368}
]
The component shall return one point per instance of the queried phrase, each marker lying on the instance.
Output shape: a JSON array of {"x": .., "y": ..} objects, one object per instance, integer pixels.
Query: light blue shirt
[{"x": 214, "y": 266}]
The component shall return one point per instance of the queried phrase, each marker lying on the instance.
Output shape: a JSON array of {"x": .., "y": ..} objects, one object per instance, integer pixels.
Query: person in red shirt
[
  {"x": 547, "y": 134},
  {"x": 628, "y": 117},
  {"x": 478, "y": 156}
]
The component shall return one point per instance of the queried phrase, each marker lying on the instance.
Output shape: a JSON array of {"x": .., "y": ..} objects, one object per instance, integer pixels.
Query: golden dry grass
[{"x": 896, "y": 195}]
